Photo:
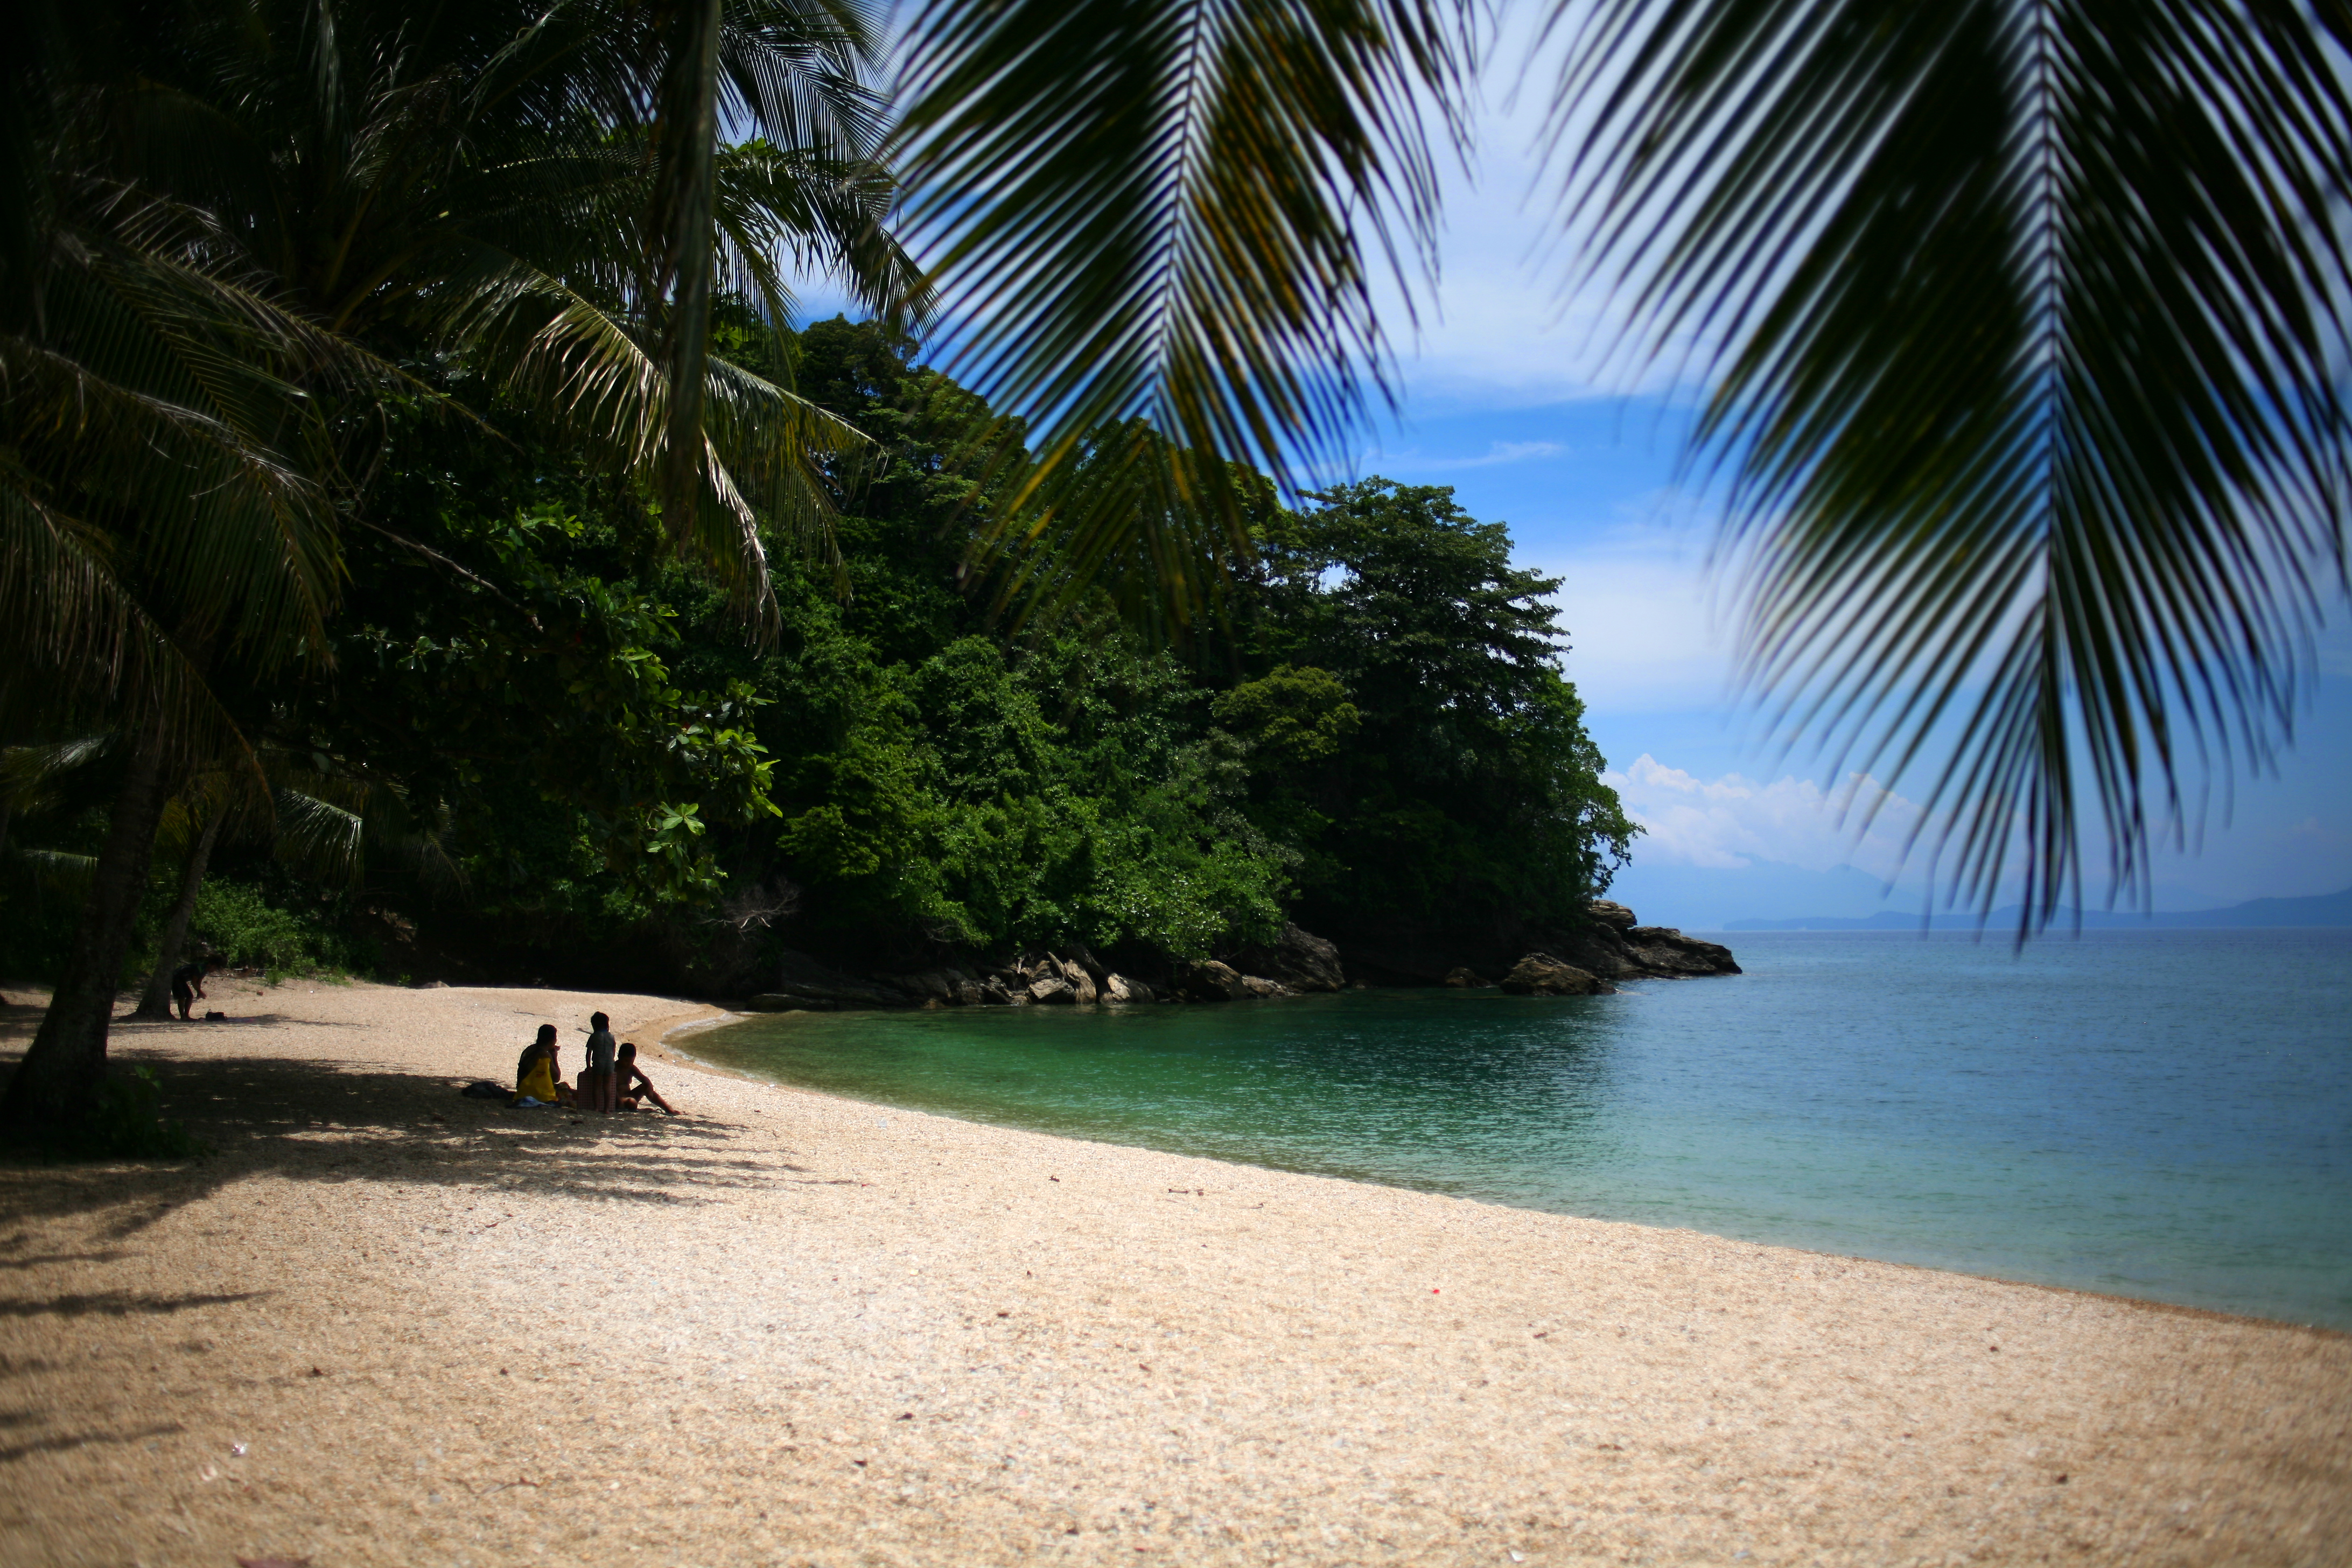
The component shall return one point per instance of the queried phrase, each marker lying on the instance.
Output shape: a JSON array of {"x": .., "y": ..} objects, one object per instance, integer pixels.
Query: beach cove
[{"x": 385, "y": 1324}]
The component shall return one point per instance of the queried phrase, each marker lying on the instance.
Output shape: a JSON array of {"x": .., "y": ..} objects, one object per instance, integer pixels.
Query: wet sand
[{"x": 387, "y": 1325}]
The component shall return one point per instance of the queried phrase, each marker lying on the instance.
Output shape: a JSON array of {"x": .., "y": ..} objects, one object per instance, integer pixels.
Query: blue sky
[{"x": 1514, "y": 394}]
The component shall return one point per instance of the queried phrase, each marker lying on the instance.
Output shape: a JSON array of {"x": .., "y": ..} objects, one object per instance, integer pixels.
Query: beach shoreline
[{"x": 788, "y": 1328}]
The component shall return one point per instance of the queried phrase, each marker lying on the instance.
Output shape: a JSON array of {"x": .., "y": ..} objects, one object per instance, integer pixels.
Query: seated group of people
[{"x": 609, "y": 1080}]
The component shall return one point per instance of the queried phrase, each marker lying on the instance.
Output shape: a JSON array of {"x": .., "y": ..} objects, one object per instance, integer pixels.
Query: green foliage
[
  {"x": 1290, "y": 719},
  {"x": 237, "y": 920},
  {"x": 1457, "y": 782},
  {"x": 609, "y": 760}
]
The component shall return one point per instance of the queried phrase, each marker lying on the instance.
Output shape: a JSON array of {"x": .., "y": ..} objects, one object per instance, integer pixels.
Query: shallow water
[{"x": 2164, "y": 1114}]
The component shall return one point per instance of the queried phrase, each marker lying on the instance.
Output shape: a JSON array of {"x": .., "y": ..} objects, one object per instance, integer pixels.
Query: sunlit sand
[{"x": 385, "y": 1324}]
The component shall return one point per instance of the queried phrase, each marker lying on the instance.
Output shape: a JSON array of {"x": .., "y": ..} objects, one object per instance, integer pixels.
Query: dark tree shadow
[
  {"x": 66, "y": 1442},
  {"x": 115, "y": 1304},
  {"x": 337, "y": 1122}
]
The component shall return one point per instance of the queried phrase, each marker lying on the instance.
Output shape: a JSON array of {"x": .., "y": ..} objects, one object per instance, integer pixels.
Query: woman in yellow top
[{"x": 536, "y": 1072}]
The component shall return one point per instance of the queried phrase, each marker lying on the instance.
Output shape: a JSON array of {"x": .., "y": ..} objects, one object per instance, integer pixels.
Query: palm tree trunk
[
  {"x": 157, "y": 1002},
  {"x": 60, "y": 1073}
]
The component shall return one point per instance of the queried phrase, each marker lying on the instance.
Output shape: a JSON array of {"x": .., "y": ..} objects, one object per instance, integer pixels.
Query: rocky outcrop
[
  {"x": 1616, "y": 948},
  {"x": 1298, "y": 960},
  {"x": 1541, "y": 975},
  {"x": 1047, "y": 990},
  {"x": 1211, "y": 982},
  {"x": 1613, "y": 945},
  {"x": 1119, "y": 991}
]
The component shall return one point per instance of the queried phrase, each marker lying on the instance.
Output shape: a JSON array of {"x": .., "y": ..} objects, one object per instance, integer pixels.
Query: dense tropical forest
[{"x": 545, "y": 748}]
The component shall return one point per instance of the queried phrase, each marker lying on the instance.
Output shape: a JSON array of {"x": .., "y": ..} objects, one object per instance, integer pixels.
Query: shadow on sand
[{"x": 302, "y": 1119}]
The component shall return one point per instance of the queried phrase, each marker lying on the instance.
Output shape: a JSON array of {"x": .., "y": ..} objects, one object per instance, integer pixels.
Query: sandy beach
[{"x": 387, "y": 1325}]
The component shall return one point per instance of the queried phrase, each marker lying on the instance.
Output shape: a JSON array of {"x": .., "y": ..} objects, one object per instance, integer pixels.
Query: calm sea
[{"x": 2159, "y": 1114}]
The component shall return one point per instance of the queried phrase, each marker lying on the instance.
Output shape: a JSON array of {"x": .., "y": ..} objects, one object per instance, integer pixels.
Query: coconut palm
[
  {"x": 2024, "y": 321},
  {"x": 207, "y": 211},
  {"x": 321, "y": 820},
  {"x": 162, "y": 520},
  {"x": 492, "y": 184}
]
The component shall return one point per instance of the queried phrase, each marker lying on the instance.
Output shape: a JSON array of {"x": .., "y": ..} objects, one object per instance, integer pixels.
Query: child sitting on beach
[
  {"x": 635, "y": 1086},
  {"x": 537, "y": 1072}
]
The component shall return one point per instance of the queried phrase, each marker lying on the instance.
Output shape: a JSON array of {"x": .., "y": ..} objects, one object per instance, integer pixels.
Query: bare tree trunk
[
  {"x": 60, "y": 1073},
  {"x": 157, "y": 1002}
]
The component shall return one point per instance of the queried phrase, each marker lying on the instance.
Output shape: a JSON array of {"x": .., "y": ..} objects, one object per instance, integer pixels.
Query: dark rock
[
  {"x": 942, "y": 987},
  {"x": 807, "y": 982},
  {"x": 1665, "y": 950},
  {"x": 1642, "y": 953},
  {"x": 813, "y": 981},
  {"x": 1117, "y": 990},
  {"x": 1469, "y": 980},
  {"x": 1608, "y": 943},
  {"x": 1050, "y": 990},
  {"x": 1541, "y": 975},
  {"x": 1298, "y": 959},
  {"x": 1079, "y": 978},
  {"x": 1211, "y": 982}
]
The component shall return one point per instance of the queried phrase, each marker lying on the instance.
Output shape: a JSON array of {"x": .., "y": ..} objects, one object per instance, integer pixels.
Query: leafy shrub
[{"x": 244, "y": 928}]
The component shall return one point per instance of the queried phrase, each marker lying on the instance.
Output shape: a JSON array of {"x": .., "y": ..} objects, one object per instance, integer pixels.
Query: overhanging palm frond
[
  {"x": 1162, "y": 209},
  {"x": 562, "y": 353},
  {"x": 2029, "y": 379},
  {"x": 327, "y": 822},
  {"x": 160, "y": 491}
]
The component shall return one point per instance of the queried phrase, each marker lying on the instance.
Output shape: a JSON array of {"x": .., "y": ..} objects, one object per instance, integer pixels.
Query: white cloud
[
  {"x": 1496, "y": 454},
  {"x": 1732, "y": 822}
]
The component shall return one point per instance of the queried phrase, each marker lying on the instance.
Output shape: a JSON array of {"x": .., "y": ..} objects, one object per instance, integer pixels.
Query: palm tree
[
  {"x": 161, "y": 520},
  {"x": 2028, "y": 321},
  {"x": 322, "y": 821},
  {"x": 205, "y": 216},
  {"x": 494, "y": 185}
]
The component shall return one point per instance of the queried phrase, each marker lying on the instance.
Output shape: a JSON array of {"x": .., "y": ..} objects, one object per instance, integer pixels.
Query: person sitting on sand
[
  {"x": 538, "y": 1080},
  {"x": 634, "y": 1086},
  {"x": 188, "y": 984},
  {"x": 596, "y": 1073}
]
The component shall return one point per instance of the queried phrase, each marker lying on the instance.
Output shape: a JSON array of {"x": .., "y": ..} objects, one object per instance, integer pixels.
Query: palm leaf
[
  {"x": 2028, "y": 335},
  {"x": 1161, "y": 209}
]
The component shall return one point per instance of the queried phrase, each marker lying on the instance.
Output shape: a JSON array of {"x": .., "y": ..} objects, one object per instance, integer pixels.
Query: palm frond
[
  {"x": 58, "y": 874},
  {"x": 565, "y": 354},
  {"x": 1162, "y": 209},
  {"x": 2029, "y": 380}
]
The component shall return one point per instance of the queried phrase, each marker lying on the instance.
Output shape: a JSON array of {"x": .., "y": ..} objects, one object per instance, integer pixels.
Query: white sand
[{"x": 788, "y": 1329}]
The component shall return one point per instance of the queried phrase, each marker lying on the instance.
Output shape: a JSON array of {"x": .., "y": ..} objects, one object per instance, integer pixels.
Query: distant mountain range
[{"x": 2320, "y": 909}]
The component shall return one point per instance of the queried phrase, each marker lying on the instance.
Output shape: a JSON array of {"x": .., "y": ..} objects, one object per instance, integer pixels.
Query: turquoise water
[{"x": 2159, "y": 1114}]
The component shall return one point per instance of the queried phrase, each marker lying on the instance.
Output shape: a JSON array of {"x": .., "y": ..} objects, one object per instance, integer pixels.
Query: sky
[
  {"x": 1513, "y": 390},
  {"x": 1513, "y": 393}
]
